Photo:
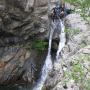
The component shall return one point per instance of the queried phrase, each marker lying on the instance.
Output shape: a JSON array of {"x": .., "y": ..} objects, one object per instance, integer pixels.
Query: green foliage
[
  {"x": 72, "y": 32},
  {"x": 79, "y": 72},
  {"x": 74, "y": 2},
  {"x": 39, "y": 45},
  {"x": 84, "y": 6},
  {"x": 81, "y": 3},
  {"x": 87, "y": 84},
  {"x": 76, "y": 72}
]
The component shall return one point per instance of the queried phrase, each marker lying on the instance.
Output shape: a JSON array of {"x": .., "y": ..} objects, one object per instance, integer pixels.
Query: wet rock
[
  {"x": 23, "y": 30},
  {"x": 17, "y": 65},
  {"x": 18, "y": 27},
  {"x": 13, "y": 63},
  {"x": 55, "y": 76},
  {"x": 20, "y": 24}
]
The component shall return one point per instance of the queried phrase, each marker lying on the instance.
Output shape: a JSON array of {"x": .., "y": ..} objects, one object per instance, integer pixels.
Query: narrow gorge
[{"x": 39, "y": 54}]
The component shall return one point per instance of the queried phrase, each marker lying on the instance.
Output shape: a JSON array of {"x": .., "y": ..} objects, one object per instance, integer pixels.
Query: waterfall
[
  {"x": 48, "y": 62},
  {"x": 47, "y": 65},
  {"x": 62, "y": 41}
]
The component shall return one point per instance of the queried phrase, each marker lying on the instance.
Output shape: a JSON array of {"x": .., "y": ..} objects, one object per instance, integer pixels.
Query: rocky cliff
[
  {"x": 23, "y": 24},
  {"x": 20, "y": 29}
]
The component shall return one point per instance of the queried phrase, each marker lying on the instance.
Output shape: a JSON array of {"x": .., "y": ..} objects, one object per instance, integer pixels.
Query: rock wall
[
  {"x": 22, "y": 22},
  {"x": 19, "y": 27},
  {"x": 41, "y": 3}
]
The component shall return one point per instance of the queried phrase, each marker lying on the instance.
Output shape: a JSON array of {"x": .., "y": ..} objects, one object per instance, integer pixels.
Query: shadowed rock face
[
  {"x": 24, "y": 24},
  {"x": 12, "y": 61},
  {"x": 16, "y": 4},
  {"x": 17, "y": 65},
  {"x": 18, "y": 27}
]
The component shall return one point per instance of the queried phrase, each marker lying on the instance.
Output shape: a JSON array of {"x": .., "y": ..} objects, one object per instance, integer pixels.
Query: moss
[{"x": 39, "y": 45}]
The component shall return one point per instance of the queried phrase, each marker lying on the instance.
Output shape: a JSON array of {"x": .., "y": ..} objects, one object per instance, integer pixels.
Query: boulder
[{"x": 76, "y": 23}]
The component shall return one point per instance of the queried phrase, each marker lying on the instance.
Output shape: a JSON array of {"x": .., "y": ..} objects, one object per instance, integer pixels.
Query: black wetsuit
[{"x": 57, "y": 12}]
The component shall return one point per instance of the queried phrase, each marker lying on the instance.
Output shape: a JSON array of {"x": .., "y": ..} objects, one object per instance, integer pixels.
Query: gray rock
[
  {"x": 15, "y": 4},
  {"x": 17, "y": 65},
  {"x": 29, "y": 4},
  {"x": 41, "y": 3},
  {"x": 75, "y": 21}
]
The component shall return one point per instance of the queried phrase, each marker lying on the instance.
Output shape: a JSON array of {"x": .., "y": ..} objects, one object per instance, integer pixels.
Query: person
[{"x": 59, "y": 11}]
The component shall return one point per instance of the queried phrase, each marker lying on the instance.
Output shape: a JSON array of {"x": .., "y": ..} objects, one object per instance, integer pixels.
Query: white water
[
  {"x": 62, "y": 41},
  {"x": 48, "y": 62},
  {"x": 47, "y": 65}
]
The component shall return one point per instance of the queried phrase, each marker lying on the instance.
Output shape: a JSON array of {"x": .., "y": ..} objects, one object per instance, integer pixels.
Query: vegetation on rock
[
  {"x": 82, "y": 7},
  {"x": 79, "y": 71}
]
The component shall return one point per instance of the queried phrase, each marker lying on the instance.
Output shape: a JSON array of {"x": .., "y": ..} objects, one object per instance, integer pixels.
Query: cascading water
[
  {"x": 47, "y": 65},
  {"x": 62, "y": 41},
  {"x": 48, "y": 62}
]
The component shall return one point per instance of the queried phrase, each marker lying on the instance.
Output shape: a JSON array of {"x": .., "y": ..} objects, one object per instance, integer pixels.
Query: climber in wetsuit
[{"x": 59, "y": 12}]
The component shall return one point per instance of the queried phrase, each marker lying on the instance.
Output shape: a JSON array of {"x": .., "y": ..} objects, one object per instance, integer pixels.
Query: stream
[{"x": 58, "y": 24}]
